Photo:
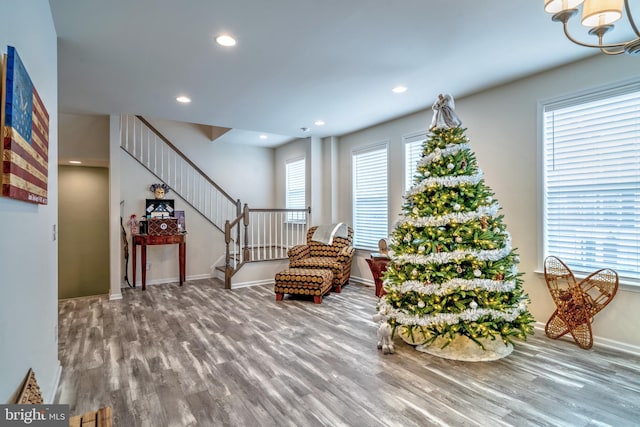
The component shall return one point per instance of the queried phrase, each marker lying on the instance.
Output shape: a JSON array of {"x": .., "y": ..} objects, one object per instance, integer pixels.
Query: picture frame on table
[
  {"x": 159, "y": 208},
  {"x": 182, "y": 227}
]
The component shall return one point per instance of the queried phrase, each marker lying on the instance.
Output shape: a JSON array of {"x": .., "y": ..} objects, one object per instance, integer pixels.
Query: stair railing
[
  {"x": 163, "y": 159},
  {"x": 265, "y": 235},
  {"x": 250, "y": 234}
]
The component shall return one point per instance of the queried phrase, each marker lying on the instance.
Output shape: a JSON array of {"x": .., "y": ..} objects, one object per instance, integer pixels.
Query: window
[
  {"x": 370, "y": 206},
  {"x": 412, "y": 153},
  {"x": 295, "y": 189},
  {"x": 591, "y": 181}
]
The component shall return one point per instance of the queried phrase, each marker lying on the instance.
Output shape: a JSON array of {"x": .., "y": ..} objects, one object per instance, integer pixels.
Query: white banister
[{"x": 166, "y": 162}]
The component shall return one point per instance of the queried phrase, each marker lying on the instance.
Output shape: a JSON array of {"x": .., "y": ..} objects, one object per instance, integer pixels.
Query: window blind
[
  {"x": 295, "y": 188},
  {"x": 370, "y": 198},
  {"x": 591, "y": 168},
  {"x": 413, "y": 146}
]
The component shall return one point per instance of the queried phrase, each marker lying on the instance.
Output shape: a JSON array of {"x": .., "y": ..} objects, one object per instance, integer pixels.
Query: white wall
[
  {"x": 502, "y": 127},
  {"x": 244, "y": 172},
  {"x": 294, "y": 150},
  {"x": 321, "y": 175},
  {"x": 205, "y": 243},
  {"x": 84, "y": 136},
  {"x": 331, "y": 183},
  {"x": 391, "y": 132},
  {"x": 28, "y": 252}
]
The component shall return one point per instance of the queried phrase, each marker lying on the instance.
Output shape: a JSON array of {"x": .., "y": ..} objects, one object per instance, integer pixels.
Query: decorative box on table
[{"x": 162, "y": 226}]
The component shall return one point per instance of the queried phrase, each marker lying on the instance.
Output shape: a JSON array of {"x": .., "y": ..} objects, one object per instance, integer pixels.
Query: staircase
[{"x": 250, "y": 234}]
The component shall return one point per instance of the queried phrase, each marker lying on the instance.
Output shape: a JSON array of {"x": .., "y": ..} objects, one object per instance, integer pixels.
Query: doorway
[{"x": 83, "y": 231}]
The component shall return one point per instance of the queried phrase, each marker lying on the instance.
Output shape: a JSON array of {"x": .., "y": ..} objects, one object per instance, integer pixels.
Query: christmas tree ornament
[
  {"x": 453, "y": 287},
  {"x": 443, "y": 115}
]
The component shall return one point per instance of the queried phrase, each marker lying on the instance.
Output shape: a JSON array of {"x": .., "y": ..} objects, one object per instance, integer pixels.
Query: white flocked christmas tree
[{"x": 452, "y": 283}]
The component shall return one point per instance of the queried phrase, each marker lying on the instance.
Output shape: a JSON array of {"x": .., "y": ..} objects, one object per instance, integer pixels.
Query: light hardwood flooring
[{"x": 200, "y": 355}]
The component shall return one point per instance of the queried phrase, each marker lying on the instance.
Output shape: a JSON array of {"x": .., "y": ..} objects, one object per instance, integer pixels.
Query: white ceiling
[{"x": 296, "y": 61}]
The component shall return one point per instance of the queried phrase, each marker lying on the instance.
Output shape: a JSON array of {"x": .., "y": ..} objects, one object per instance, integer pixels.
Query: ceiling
[{"x": 296, "y": 61}]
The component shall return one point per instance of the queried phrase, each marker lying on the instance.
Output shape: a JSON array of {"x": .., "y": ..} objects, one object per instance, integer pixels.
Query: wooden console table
[
  {"x": 144, "y": 240},
  {"x": 378, "y": 265}
]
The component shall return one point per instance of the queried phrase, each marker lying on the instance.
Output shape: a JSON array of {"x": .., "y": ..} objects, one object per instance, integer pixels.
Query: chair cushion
[
  {"x": 336, "y": 257},
  {"x": 303, "y": 281},
  {"x": 316, "y": 262},
  {"x": 321, "y": 250}
]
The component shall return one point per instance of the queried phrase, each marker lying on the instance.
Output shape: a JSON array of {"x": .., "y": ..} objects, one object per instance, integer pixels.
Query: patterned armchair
[{"x": 336, "y": 257}]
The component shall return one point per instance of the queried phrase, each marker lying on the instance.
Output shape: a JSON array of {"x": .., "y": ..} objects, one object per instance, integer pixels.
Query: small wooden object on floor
[
  {"x": 100, "y": 418},
  {"x": 577, "y": 303},
  {"x": 30, "y": 393}
]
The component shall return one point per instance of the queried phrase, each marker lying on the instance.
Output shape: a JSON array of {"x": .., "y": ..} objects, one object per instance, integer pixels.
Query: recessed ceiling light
[
  {"x": 399, "y": 89},
  {"x": 263, "y": 136},
  {"x": 183, "y": 99},
  {"x": 225, "y": 40},
  {"x": 75, "y": 162},
  {"x": 319, "y": 123}
]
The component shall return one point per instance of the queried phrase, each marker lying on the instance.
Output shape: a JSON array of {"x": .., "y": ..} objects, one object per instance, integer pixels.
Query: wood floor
[{"x": 199, "y": 355}]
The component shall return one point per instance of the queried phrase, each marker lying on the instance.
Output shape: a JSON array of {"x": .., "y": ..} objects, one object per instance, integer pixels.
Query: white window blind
[
  {"x": 413, "y": 145},
  {"x": 295, "y": 191},
  {"x": 591, "y": 195},
  {"x": 370, "y": 199}
]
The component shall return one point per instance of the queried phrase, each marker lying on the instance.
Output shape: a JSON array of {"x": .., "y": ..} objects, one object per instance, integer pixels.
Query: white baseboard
[
  {"x": 116, "y": 296},
  {"x": 199, "y": 276},
  {"x": 603, "y": 342},
  {"x": 616, "y": 345},
  {"x": 166, "y": 280},
  {"x": 252, "y": 283},
  {"x": 217, "y": 274},
  {"x": 362, "y": 281}
]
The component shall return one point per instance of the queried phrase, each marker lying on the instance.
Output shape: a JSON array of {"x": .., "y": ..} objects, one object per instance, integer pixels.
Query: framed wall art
[{"x": 25, "y": 134}]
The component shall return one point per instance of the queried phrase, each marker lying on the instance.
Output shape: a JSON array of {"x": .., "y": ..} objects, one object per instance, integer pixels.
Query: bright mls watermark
[{"x": 34, "y": 415}]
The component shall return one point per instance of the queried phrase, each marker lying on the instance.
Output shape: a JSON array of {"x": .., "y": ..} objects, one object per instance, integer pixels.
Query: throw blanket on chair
[{"x": 326, "y": 233}]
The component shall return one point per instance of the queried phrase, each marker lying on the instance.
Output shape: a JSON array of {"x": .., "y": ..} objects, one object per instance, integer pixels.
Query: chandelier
[{"x": 598, "y": 16}]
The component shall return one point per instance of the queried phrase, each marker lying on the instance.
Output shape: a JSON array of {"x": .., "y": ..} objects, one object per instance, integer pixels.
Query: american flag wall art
[{"x": 25, "y": 134}]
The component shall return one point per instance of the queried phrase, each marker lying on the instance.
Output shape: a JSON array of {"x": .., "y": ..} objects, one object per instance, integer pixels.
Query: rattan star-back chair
[{"x": 577, "y": 303}]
